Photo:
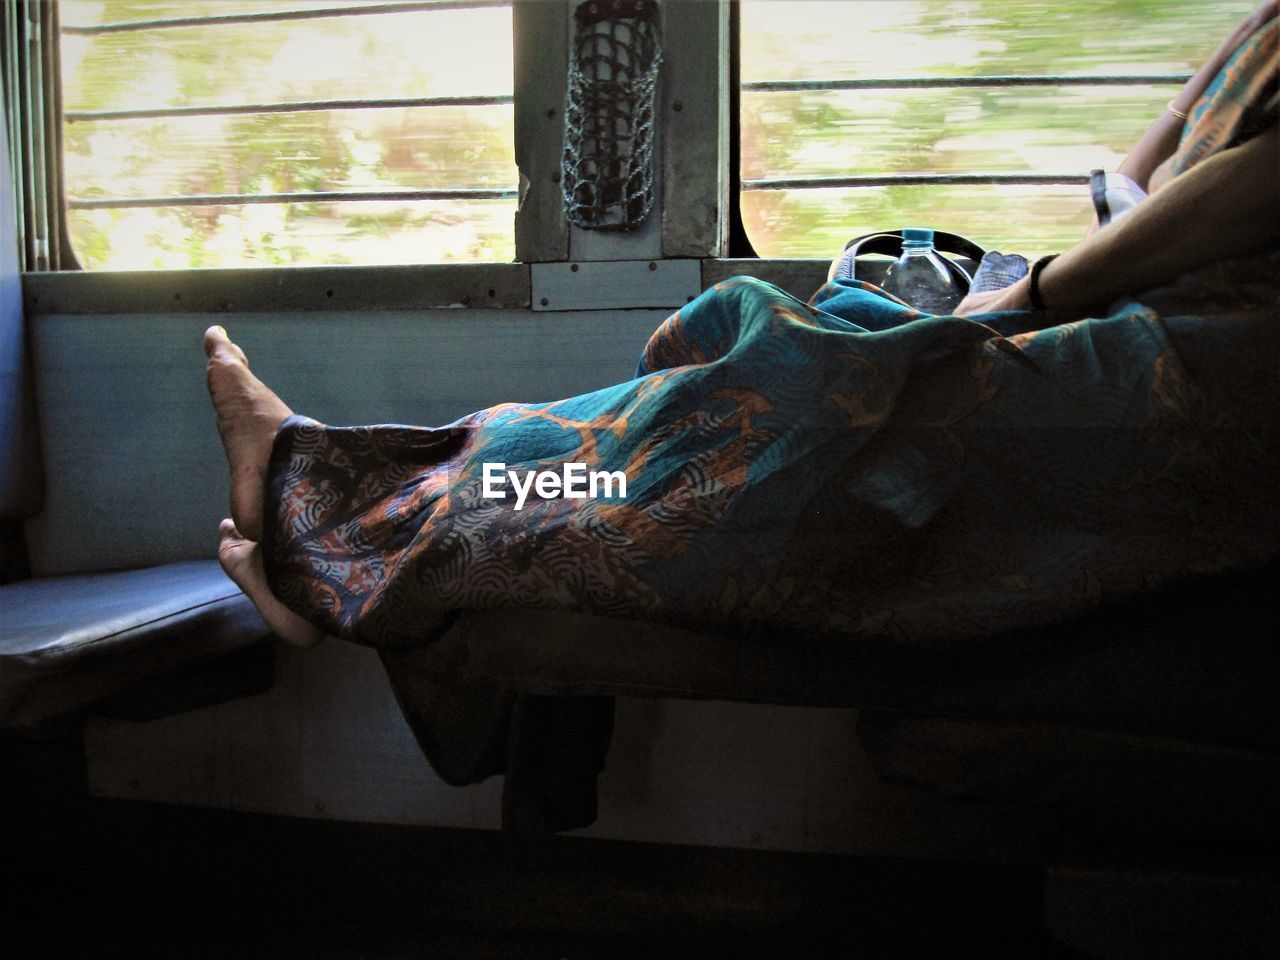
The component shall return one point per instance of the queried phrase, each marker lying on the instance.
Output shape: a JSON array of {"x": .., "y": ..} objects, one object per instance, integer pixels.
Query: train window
[
  {"x": 216, "y": 133},
  {"x": 982, "y": 117}
]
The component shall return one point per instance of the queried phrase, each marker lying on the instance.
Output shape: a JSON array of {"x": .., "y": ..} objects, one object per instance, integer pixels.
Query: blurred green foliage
[
  {"x": 971, "y": 130},
  {"x": 396, "y": 55},
  {"x": 1058, "y": 130}
]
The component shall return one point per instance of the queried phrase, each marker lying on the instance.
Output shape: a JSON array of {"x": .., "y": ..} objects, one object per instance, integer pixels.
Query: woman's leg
[{"x": 248, "y": 415}]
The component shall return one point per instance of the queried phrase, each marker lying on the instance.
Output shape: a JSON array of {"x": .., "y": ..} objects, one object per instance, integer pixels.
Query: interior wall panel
[{"x": 135, "y": 471}]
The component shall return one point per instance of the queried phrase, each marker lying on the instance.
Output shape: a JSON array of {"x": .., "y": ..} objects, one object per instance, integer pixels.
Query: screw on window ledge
[
  {"x": 677, "y": 106},
  {"x": 545, "y": 301}
]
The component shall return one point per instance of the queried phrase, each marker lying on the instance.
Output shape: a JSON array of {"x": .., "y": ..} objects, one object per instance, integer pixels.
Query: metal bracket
[{"x": 615, "y": 284}]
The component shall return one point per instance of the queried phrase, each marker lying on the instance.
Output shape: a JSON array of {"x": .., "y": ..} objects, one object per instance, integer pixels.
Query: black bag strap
[{"x": 889, "y": 243}]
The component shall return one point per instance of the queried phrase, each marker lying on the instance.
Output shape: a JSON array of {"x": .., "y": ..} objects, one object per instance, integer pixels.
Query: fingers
[{"x": 975, "y": 303}]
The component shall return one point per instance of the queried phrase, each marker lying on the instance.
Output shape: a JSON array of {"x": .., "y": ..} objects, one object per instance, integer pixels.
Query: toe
[
  {"x": 219, "y": 345},
  {"x": 214, "y": 337},
  {"x": 242, "y": 562},
  {"x": 232, "y": 550}
]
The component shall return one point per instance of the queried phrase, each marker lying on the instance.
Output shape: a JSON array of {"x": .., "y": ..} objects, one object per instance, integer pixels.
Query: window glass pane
[
  {"x": 1030, "y": 220},
  {"x": 869, "y": 132},
  {"x": 419, "y": 54},
  {"x": 409, "y": 148},
  {"x": 967, "y": 130},
  {"x": 295, "y": 234}
]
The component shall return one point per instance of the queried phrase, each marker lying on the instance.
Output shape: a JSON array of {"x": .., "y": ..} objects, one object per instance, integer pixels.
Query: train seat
[{"x": 68, "y": 643}]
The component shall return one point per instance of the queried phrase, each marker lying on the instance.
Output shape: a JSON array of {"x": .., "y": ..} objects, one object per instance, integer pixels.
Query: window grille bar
[
  {"x": 913, "y": 179},
  {"x": 10, "y": 95},
  {"x": 296, "y": 106},
  {"x": 268, "y": 15},
  {"x": 1026, "y": 80},
  {"x": 316, "y": 196},
  {"x": 36, "y": 149}
]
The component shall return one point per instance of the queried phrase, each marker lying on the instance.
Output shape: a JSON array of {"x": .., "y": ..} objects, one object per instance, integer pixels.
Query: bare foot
[
  {"x": 248, "y": 415},
  {"x": 242, "y": 561}
]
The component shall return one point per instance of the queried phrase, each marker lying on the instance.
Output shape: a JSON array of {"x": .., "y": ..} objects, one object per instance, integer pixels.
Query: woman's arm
[{"x": 1225, "y": 207}]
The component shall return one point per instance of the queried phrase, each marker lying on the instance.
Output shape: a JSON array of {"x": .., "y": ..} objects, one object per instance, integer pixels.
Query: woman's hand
[
  {"x": 1014, "y": 297},
  {"x": 1224, "y": 208}
]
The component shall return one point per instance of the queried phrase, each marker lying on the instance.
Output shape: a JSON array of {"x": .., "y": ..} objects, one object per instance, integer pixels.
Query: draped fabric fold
[{"x": 791, "y": 473}]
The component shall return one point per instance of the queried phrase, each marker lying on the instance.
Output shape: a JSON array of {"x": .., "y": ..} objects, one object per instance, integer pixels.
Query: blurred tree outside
[{"x": 390, "y": 55}]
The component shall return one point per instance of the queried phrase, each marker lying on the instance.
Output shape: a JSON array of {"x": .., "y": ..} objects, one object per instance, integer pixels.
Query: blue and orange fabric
[
  {"x": 845, "y": 471},
  {"x": 1238, "y": 102}
]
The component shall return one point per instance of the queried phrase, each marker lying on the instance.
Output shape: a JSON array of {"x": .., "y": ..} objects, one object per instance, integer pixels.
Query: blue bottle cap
[{"x": 917, "y": 236}]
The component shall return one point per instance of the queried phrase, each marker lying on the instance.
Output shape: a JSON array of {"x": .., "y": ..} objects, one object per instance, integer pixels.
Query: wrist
[
  {"x": 1034, "y": 292},
  {"x": 1015, "y": 295},
  {"x": 1060, "y": 290},
  {"x": 1057, "y": 296}
]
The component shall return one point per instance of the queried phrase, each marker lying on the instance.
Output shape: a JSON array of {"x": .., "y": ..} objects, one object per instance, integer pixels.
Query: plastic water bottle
[{"x": 920, "y": 277}]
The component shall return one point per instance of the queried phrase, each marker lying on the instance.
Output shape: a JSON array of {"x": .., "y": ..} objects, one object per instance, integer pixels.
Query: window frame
[
  {"x": 699, "y": 209},
  {"x": 695, "y": 210},
  {"x": 23, "y": 78},
  {"x": 31, "y": 70}
]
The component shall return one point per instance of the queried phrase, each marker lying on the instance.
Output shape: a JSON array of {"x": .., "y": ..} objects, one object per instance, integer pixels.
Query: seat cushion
[{"x": 69, "y": 642}]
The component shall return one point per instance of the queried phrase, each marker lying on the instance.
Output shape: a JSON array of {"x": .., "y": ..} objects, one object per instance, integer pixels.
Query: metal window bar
[
  {"x": 917, "y": 83},
  {"x": 292, "y": 106},
  {"x": 34, "y": 159},
  {"x": 417, "y": 6},
  {"x": 462, "y": 193},
  {"x": 912, "y": 179},
  {"x": 12, "y": 84},
  {"x": 308, "y": 196},
  {"x": 61, "y": 253},
  {"x": 989, "y": 80}
]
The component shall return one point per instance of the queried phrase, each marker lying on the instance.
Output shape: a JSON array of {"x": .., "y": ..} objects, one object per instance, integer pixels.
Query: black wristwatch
[{"x": 1033, "y": 287}]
